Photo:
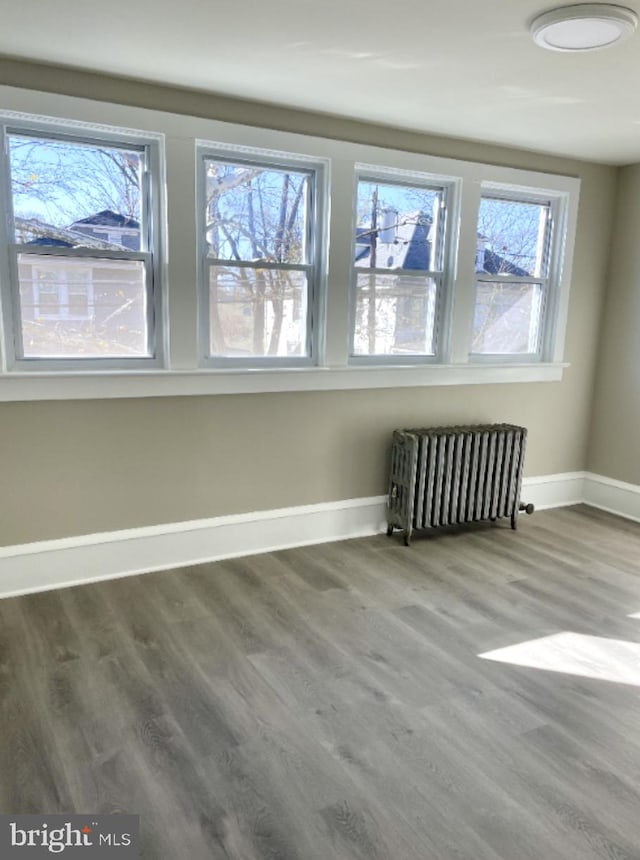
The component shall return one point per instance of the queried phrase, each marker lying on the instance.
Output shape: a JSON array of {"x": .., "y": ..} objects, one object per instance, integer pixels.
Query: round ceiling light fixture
[{"x": 585, "y": 27}]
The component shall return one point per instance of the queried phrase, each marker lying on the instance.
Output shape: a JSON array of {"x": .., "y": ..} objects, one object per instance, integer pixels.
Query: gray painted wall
[{"x": 614, "y": 448}]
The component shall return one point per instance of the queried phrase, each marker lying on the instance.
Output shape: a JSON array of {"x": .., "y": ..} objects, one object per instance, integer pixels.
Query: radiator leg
[
  {"x": 407, "y": 538},
  {"x": 389, "y": 529},
  {"x": 514, "y": 520}
]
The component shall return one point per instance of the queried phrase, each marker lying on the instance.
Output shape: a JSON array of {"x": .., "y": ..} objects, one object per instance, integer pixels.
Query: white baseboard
[
  {"x": 554, "y": 491},
  {"x": 617, "y": 497},
  {"x": 90, "y": 558}
]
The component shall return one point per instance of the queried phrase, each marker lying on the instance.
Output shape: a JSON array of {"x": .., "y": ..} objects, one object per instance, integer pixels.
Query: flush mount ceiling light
[{"x": 585, "y": 27}]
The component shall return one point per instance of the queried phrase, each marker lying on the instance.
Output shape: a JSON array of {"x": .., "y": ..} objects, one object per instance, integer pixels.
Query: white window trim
[
  {"x": 450, "y": 188},
  {"x": 552, "y": 280},
  {"x": 152, "y": 143},
  {"x": 176, "y": 383},
  {"x": 181, "y": 372},
  {"x": 319, "y": 178}
]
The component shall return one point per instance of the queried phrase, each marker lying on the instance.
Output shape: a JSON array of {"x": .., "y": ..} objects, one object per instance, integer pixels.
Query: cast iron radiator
[{"x": 446, "y": 475}]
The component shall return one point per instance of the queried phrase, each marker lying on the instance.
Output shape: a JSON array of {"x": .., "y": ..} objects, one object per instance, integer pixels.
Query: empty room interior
[{"x": 320, "y": 412}]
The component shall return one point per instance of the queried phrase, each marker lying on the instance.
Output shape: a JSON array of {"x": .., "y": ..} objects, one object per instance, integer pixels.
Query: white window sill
[{"x": 172, "y": 383}]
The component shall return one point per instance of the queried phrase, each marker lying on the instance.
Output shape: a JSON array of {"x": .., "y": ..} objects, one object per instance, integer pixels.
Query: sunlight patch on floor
[{"x": 576, "y": 654}]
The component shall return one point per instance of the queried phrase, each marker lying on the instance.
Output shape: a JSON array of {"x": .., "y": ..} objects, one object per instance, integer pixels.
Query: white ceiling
[{"x": 466, "y": 68}]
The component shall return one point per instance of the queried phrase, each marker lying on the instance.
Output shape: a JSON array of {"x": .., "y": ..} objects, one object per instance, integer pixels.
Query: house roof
[
  {"x": 50, "y": 241},
  {"x": 411, "y": 247},
  {"x": 494, "y": 264},
  {"x": 108, "y": 218},
  {"x": 62, "y": 237}
]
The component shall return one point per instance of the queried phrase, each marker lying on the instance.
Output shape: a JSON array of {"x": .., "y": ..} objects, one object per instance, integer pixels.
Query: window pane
[
  {"x": 257, "y": 312},
  {"x": 82, "y": 308},
  {"x": 507, "y": 318},
  {"x": 397, "y": 227},
  {"x": 78, "y": 304},
  {"x": 394, "y": 315},
  {"x": 513, "y": 238},
  {"x": 73, "y": 195},
  {"x": 49, "y": 302},
  {"x": 256, "y": 213}
]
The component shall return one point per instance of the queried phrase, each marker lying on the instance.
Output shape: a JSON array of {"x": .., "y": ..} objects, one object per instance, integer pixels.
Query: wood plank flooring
[{"x": 330, "y": 703}]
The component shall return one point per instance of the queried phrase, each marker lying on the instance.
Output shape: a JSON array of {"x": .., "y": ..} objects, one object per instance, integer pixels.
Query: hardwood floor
[{"x": 330, "y": 703}]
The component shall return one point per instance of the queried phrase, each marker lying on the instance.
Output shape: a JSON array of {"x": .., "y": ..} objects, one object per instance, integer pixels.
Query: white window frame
[
  {"x": 314, "y": 267},
  {"x": 152, "y": 243},
  {"x": 443, "y": 276},
  {"x": 178, "y": 369},
  {"x": 549, "y": 281}
]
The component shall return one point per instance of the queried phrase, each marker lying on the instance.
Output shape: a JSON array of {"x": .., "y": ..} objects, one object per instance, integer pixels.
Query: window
[
  {"x": 297, "y": 262},
  {"x": 512, "y": 275},
  {"x": 259, "y": 261},
  {"x": 57, "y": 292},
  {"x": 82, "y": 283},
  {"x": 397, "y": 280}
]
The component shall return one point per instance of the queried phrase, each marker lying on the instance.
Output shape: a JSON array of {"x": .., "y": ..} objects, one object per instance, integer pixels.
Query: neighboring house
[
  {"x": 406, "y": 304},
  {"x": 33, "y": 231},
  {"x": 118, "y": 230},
  {"x": 402, "y": 241},
  {"x": 505, "y": 320},
  {"x": 95, "y": 301}
]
